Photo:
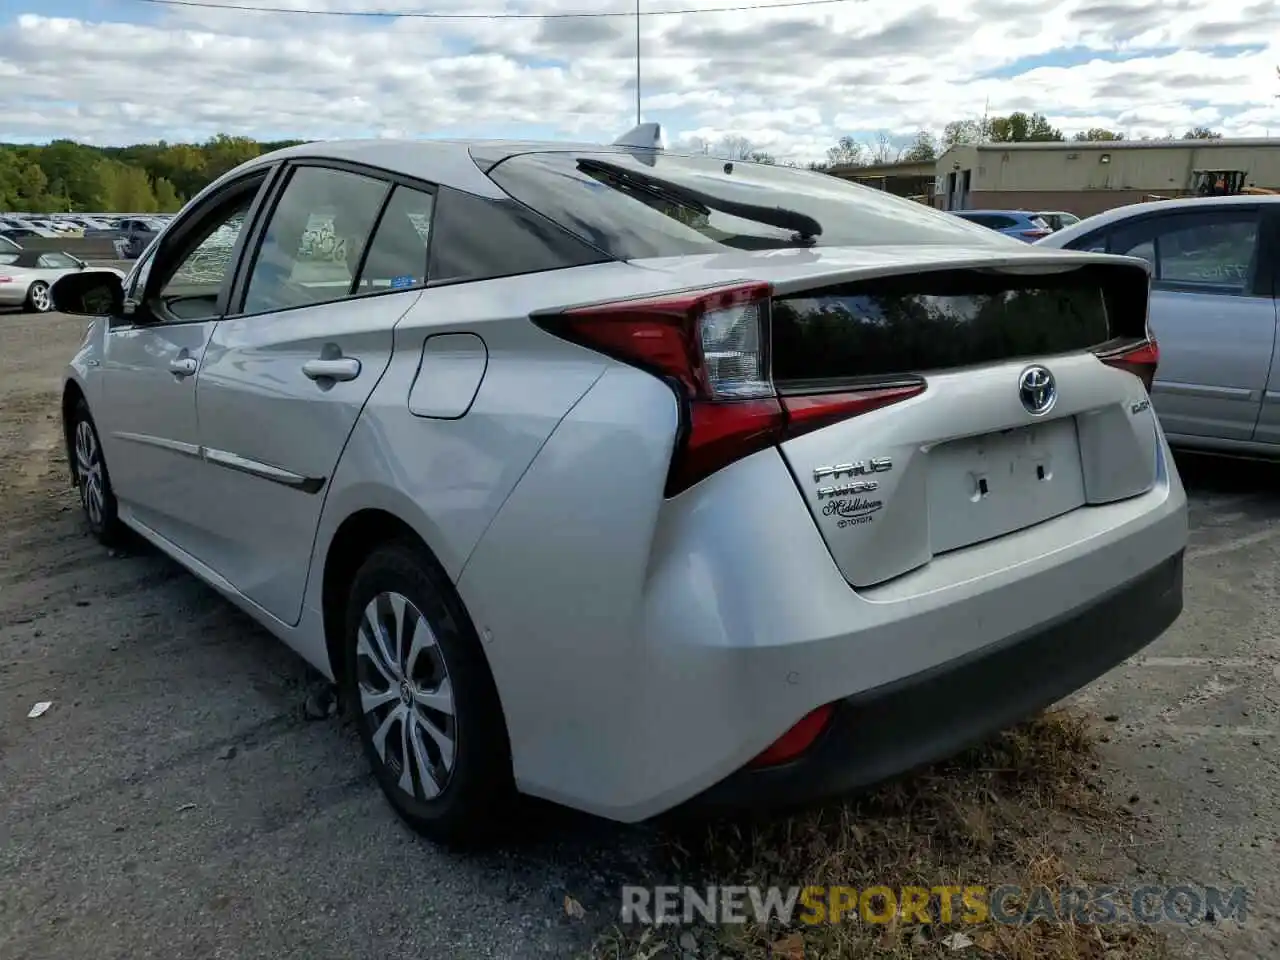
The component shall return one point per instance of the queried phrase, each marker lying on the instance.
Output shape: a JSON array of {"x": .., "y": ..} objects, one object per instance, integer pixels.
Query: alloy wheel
[
  {"x": 406, "y": 696},
  {"x": 89, "y": 472},
  {"x": 40, "y": 299}
]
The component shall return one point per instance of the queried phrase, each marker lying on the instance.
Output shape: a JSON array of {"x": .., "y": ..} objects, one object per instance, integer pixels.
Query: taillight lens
[
  {"x": 1140, "y": 358},
  {"x": 1036, "y": 234},
  {"x": 712, "y": 346}
]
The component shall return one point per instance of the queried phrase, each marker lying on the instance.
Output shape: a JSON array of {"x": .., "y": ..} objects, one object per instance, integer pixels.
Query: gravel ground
[{"x": 175, "y": 802}]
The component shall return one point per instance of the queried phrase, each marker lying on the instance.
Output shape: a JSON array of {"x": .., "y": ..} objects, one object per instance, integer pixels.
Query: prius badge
[{"x": 1037, "y": 391}]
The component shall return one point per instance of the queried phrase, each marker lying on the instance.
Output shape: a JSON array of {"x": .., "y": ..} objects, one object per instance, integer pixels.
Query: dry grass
[{"x": 1002, "y": 813}]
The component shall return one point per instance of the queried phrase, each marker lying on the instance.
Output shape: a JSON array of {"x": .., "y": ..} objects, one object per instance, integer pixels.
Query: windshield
[{"x": 637, "y": 205}]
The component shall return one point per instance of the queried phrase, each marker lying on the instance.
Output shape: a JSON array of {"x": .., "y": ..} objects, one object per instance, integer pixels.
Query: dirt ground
[{"x": 175, "y": 801}]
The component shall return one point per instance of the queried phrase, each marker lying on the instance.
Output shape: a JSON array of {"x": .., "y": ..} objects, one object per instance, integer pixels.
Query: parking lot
[{"x": 176, "y": 800}]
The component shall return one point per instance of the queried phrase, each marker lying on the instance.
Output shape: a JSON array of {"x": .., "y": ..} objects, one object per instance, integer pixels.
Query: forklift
[{"x": 1224, "y": 183}]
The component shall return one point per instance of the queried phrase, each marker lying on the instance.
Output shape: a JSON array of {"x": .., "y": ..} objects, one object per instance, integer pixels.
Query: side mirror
[{"x": 89, "y": 293}]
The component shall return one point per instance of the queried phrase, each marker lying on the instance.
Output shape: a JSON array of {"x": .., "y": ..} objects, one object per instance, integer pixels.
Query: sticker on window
[{"x": 403, "y": 281}]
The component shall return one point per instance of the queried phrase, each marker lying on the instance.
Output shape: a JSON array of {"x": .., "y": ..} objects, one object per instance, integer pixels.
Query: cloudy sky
[{"x": 790, "y": 78}]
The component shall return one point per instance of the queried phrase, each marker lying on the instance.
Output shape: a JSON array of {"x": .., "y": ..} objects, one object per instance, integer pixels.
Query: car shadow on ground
[{"x": 1206, "y": 473}]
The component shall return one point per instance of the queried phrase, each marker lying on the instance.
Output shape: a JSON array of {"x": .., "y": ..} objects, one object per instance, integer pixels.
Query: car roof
[
  {"x": 1130, "y": 210},
  {"x": 26, "y": 258},
  {"x": 461, "y": 164},
  {"x": 1007, "y": 213}
]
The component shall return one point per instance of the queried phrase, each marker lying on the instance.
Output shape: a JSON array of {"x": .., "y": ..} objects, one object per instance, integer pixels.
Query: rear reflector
[
  {"x": 796, "y": 740},
  {"x": 1140, "y": 358},
  {"x": 712, "y": 347}
]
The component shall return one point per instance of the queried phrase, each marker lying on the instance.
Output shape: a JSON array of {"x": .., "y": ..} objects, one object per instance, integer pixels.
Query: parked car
[
  {"x": 27, "y": 275},
  {"x": 1019, "y": 224},
  {"x": 1215, "y": 264},
  {"x": 628, "y": 479},
  {"x": 18, "y": 234},
  {"x": 1058, "y": 219},
  {"x": 133, "y": 235}
]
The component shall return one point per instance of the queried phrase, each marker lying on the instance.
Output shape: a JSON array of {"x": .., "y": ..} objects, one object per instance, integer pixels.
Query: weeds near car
[{"x": 999, "y": 814}]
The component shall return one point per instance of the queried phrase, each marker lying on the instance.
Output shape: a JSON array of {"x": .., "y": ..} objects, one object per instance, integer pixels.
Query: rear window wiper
[
  {"x": 780, "y": 217},
  {"x": 658, "y": 189}
]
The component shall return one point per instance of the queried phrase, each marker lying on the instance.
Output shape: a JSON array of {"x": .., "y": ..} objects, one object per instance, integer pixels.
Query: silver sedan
[{"x": 27, "y": 275}]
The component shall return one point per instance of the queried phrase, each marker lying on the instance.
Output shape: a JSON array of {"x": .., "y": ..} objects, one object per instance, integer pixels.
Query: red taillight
[
  {"x": 1036, "y": 234},
  {"x": 1140, "y": 359},
  {"x": 6, "y": 279},
  {"x": 796, "y": 740},
  {"x": 712, "y": 346}
]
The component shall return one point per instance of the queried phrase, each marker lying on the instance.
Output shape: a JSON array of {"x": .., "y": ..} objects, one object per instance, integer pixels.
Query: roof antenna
[{"x": 643, "y": 136}]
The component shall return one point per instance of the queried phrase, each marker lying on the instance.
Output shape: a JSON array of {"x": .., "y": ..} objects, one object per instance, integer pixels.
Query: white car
[
  {"x": 27, "y": 275},
  {"x": 634, "y": 480}
]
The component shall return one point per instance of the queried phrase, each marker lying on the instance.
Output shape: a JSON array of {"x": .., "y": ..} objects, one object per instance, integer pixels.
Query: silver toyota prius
[{"x": 632, "y": 480}]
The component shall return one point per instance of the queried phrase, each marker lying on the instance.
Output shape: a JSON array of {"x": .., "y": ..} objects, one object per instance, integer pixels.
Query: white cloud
[{"x": 791, "y": 80}]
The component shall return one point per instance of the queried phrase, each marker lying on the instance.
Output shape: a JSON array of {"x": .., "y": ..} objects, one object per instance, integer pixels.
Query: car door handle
[
  {"x": 184, "y": 366},
  {"x": 341, "y": 369}
]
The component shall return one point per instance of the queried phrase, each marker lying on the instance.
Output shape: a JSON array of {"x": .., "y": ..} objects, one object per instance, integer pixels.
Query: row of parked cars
[
  {"x": 130, "y": 232},
  {"x": 27, "y": 275}
]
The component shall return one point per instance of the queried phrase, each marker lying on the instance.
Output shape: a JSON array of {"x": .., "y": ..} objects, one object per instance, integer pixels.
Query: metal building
[{"x": 1085, "y": 178}]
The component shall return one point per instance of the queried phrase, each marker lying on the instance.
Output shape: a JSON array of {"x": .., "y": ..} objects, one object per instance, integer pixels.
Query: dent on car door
[
  {"x": 288, "y": 374},
  {"x": 1216, "y": 331},
  {"x": 150, "y": 365}
]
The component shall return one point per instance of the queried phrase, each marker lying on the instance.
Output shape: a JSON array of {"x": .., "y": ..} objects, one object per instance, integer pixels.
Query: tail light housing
[
  {"x": 712, "y": 347},
  {"x": 1035, "y": 234},
  {"x": 1140, "y": 358}
]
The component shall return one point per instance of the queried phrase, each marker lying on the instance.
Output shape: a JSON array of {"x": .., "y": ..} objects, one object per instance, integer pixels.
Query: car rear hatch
[
  {"x": 1004, "y": 412},
  {"x": 930, "y": 385}
]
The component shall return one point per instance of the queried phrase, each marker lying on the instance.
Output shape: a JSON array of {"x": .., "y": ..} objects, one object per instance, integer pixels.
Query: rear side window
[
  {"x": 637, "y": 205},
  {"x": 928, "y": 322},
  {"x": 397, "y": 257},
  {"x": 1213, "y": 251}
]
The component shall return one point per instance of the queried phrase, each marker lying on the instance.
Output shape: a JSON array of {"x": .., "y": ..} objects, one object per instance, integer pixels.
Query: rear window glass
[
  {"x": 636, "y": 205},
  {"x": 928, "y": 323}
]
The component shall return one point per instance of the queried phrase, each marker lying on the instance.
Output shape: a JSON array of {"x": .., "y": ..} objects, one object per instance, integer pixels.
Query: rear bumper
[{"x": 887, "y": 731}]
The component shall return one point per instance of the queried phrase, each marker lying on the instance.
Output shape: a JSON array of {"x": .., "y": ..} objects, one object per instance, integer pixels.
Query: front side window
[
  {"x": 192, "y": 289},
  {"x": 314, "y": 240}
]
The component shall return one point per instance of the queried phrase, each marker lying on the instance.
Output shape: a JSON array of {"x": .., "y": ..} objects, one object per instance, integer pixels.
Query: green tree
[
  {"x": 223, "y": 153},
  {"x": 76, "y": 168},
  {"x": 847, "y": 152},
  {"x": 959, "y": 132},
  {"x": 1201, "y": 133},
  {"x": 1097, "y": 134},
  {"x": 167, "y": 199},
  {"x": 127, "y": 188},
  {"x": 923, "y": 148},
  {"x": 23, "y": 185},
  {"x": 1019, "y": 127}
]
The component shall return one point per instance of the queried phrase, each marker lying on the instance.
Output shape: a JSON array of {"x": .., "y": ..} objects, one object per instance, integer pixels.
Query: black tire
[
  {"x": 84, "y": 449},
  {"x": 478, "y": 789},
  {"x": 38, "y": 299}
]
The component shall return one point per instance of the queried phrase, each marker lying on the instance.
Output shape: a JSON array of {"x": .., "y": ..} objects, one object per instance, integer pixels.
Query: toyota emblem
[{"x": 1037, "y": 391}]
